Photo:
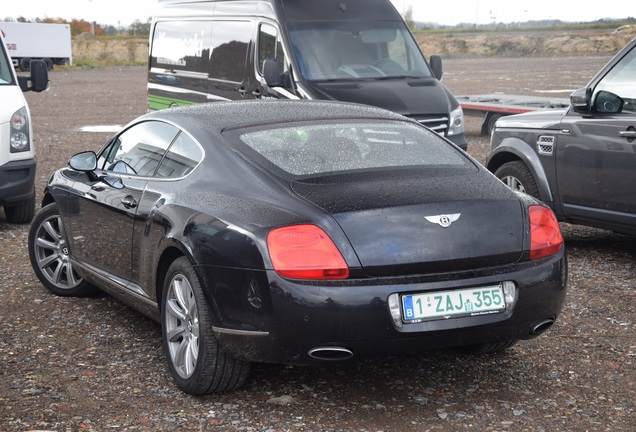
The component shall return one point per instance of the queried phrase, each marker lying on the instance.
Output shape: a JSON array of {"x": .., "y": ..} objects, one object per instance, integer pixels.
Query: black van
[{"x": 348, "y": 50}]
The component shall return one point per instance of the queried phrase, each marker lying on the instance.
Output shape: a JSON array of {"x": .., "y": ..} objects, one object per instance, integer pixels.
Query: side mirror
[
  {"x": 581, "y": 100},
  {"x": 436, "y": 65},
  {"x": 85, "y": 161},
  {"x": 270, "y": 72},
  {"x": 39, "y": 79},
  {"x": 607, "y": 103}
]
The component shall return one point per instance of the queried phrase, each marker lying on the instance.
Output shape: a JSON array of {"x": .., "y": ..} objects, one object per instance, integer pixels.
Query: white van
[
  {"x": 17, "y": 152},
  {"x": 348, "y": 50}
]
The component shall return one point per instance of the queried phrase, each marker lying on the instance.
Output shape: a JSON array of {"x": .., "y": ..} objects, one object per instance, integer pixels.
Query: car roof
[{"x": 214, "y": 117}]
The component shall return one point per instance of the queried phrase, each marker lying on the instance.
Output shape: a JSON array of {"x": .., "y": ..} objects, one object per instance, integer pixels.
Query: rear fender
[{"x": 511, "y": 149}]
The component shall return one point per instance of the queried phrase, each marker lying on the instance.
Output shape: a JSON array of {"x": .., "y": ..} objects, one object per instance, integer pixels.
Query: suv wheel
[{"x": 518, "y": 177}]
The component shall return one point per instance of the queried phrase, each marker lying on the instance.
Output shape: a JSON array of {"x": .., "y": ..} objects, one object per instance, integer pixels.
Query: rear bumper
[
  {"x": 17, "y": 181},
  {"x": 295, "y": 318}
]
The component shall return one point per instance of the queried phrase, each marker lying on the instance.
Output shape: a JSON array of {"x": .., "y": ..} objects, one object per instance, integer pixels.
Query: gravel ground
[{"x": 91, "y": 364}]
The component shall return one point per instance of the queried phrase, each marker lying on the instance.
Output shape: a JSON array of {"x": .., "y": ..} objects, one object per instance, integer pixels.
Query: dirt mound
[
  {"x": 459, "y": 44},
  {"x": 111, "y": 51},
  {"x": 527, "y": 43}
]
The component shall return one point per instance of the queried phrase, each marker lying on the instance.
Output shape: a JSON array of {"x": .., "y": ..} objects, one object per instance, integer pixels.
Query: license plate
[{"x": 456, "y": 303}]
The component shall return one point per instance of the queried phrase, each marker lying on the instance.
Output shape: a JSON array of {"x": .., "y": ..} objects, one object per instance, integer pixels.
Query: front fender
[{"x": 511, "y": 149}]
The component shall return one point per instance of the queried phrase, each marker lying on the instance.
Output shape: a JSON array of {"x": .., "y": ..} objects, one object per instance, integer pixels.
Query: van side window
[
  {"x": 230, "y": 40},
  {"x": 270, "y": 46},
  {"x": 181, "y": 45}
]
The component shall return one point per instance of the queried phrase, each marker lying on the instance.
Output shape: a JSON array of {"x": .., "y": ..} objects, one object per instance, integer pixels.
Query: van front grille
[{"x": 437, "y": 123}]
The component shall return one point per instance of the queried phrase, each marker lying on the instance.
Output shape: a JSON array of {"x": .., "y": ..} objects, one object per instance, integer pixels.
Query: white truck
[
  {"x": 26, "y": 42},
  {"x": 17, "y": 151}
]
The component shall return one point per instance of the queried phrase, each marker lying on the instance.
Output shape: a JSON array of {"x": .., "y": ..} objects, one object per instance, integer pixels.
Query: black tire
[
  {"x": 489, "y": 123},
  {"x": 197, "y": 363},
  {"x": 49, "y": 63},
  {"x": 25, "y": 64},
  {"x": 49, "y": 255},
  {"x": 22, "y": 212},
  {"x": 517, "y": 176},
  {"x": 486, "y": 348}
]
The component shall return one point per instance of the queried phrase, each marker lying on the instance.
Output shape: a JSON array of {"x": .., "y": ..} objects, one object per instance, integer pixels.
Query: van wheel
[
  {"x": 25, "y": 64},
  {"x": 517, "y": 176},
  {"x": 49, "y": 63},
  {"x": 197, "y": 362},
  {"x": 21, "y": 212}
]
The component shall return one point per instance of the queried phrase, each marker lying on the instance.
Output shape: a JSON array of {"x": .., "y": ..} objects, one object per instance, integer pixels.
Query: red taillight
[
  {"x": 545, "y": 234},
  {"x": 305, "y": 252}
]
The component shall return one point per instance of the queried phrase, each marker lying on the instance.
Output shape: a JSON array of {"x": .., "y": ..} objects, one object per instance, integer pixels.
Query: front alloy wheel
[
  {"x": 49, "y": 255},
  {"x": 517, "y": 176}
]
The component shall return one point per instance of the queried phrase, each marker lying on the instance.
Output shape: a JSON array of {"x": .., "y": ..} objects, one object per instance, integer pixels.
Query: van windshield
[
  {"x": 345, "y": 50},
  {"x": 6, "y": 77}
]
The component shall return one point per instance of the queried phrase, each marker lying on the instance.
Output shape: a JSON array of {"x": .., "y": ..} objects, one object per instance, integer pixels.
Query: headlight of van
[
  {"x": 19, "y": 134},
  {"x": 456, "y": 126}
]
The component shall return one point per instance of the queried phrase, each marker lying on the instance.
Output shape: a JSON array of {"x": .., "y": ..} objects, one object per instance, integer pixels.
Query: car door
[
  {"x": 596, "y": 151},
  {"x": 157, "y": 213},
  {"x": 106, "y": 203}
]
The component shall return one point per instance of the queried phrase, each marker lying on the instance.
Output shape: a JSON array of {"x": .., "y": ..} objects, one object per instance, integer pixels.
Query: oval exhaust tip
[
  {"x": 330, "y": 353},
  {"x": 541, "y": 326}
]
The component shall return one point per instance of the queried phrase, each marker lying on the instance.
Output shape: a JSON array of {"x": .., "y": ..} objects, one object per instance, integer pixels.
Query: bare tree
[{"x": 408, "y": 18}]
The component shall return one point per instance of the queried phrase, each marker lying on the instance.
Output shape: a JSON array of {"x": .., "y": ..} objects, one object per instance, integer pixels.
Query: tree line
[{"x": 79, "y": 26}]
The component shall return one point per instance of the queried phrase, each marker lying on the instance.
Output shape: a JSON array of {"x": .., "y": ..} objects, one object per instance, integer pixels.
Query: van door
[
  {"x": 269, "y": 46},
  {"x": 229, "y": 48},
  {"x": 179, "y": 60}
]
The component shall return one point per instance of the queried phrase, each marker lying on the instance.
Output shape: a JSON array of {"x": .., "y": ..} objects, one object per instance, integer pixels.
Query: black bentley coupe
[{"x": 298, "y": 232}]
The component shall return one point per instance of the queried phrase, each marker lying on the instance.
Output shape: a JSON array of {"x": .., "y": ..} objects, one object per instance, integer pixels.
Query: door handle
[
  {"x": 256, "y": 93},
  {"x": 627, "y": 134},
  {"x": 129, "y": 202},
  {"x": 242, "y": 91}
]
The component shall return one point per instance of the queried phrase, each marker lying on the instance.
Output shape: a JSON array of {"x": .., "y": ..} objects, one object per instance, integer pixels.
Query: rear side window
[
  {"x": 139, "y": 149},
  {"x": 182, "y": 157}
]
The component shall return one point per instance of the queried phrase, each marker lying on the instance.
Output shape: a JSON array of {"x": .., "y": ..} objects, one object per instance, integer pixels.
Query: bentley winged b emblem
[{"x": 443, "y": 220}]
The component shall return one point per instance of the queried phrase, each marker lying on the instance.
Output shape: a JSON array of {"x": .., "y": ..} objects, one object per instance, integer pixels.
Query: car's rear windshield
[{"x": 310, "y": 148}]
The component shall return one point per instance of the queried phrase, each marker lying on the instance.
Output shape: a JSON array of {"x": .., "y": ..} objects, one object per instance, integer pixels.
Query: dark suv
[{"x": 581, "y": 161}]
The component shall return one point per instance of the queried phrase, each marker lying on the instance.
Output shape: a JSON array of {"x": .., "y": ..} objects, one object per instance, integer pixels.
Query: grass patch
[{"x": 94, "y": 63}]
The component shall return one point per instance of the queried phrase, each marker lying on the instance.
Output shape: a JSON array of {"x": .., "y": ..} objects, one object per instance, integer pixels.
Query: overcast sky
[{"x": 124, "y": 12}]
